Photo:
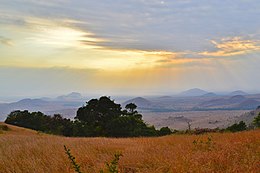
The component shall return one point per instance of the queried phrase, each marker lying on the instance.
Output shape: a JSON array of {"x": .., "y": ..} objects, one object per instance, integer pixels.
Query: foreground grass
[{"x": 26, "y": 151}]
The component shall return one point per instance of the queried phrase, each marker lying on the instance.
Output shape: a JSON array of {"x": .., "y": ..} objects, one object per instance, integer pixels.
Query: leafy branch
[{"x": 72, "y": 160}]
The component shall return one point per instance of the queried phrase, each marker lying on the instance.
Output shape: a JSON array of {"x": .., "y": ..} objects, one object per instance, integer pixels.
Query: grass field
[{"x": 26, "y": 151}]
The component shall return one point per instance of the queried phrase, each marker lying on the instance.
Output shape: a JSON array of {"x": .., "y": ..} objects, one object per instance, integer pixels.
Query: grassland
[{"x": 26, "y": 151}]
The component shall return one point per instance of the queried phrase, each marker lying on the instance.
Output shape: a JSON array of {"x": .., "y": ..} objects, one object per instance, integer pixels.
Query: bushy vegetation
[
  {"x": 40, "y": 122},
  {"x": 256, "y": 121},
  {"x": 241, "y": 126},
  {"x": 112, "y": 167},
  {"x": 4, "y": 128},
  {"x": 99, "y": 117}
]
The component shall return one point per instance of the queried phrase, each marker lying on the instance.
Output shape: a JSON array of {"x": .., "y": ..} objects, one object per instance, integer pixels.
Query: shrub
[
  {"x": 198, "y": 131},
  {"x": 241, "y": 126},
  {"x": 4, "y": 127},
  {"x": 112, "y": 167},
  {"x": 165, "y": 131},
  {"x": 256, "y": 121}
]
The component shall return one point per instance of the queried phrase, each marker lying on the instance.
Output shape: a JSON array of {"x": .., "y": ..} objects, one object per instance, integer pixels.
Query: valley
[
  {"x": 197, "y": 119},
  {"x": 201, "y": 108}
]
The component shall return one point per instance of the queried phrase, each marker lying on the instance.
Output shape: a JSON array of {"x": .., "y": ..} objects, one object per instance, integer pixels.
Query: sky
[{"x": 130, "y": 47}]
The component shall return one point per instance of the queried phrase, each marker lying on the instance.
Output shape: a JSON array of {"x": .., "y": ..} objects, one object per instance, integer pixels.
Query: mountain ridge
[{"x": 193, "y": 92}]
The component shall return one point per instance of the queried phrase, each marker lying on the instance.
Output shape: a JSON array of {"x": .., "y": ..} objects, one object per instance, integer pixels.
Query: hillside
[
  {"x": 248, "y": 117},
  {"x": 233, "y": 102},
  {"x": 67, "y": 107},
  {"x": 238, "y": 92},
  {"x": 24, "y": 150},
  {"x": 193, "y": 92}
]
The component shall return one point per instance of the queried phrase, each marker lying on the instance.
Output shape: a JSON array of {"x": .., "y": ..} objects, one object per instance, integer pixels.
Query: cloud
[
  {"x": 233, "y": 46},
  {"x": 144, "y": 24},
  {"x": 61, "y": 33},
  {"x": 140, "y": 33},
  {"x": 6, "y": 41}
]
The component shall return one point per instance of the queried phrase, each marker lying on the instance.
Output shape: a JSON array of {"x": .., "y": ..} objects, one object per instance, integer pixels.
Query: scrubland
[{"x": 27, "y": 151}]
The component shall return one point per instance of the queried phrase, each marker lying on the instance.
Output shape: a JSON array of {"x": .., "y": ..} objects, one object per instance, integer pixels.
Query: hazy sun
[{"x": 65, "y": 37}]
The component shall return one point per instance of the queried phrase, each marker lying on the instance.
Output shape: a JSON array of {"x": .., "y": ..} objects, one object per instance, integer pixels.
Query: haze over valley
[{"x": 201, "y": 108}]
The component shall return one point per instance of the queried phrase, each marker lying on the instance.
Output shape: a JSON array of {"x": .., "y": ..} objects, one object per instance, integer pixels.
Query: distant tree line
[{"x": 99, "y": 117}]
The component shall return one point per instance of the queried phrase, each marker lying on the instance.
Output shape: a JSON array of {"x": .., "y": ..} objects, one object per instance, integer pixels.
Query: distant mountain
[
  {"x": 139, "y": 101},
  {"x": 165, "y": 97},
  {"x": 249, "y": 104},
  {"x": 71, "y": 96},
  {"x": 238, "y": 92},
  {"x": 29, "y": 103},
  {"x": 236, "y": 99},
  {"x": 210, "y": 95},
  {"x": 234, "y": 102},
  {"x": 193, "y": 92},
  {"x": 52, "y": 106}
]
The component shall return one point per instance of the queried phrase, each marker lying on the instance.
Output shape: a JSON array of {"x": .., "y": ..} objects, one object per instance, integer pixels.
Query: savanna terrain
[
  {"x": 26, "y": 151},
  {"x": 199, "y": 119}
]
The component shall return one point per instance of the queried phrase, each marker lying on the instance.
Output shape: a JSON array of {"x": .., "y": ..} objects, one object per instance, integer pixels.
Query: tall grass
[{"x": 25, "y": 151}]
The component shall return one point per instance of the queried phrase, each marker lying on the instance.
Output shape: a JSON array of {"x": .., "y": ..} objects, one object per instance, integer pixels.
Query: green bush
[
  {"x": 165, "y": 131},
  {"x": 256, "y": 121},
  {"x": 241, "y": 126},
  {"x": 112, "y": 167}
]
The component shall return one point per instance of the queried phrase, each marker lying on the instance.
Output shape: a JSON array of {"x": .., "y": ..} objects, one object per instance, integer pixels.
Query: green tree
[
  {"x": 256, "y": 121},
  {"x": 131, "y": 107},
  {"x": 107, "y": 119},
  {"x": 237, "y": 127},
  {"x": 165, "y": 131},
  {"x": 98, "y": 112}
]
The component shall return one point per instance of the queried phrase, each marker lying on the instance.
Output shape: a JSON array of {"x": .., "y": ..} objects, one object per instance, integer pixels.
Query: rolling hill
[
  {"x": 24, "y": 150},
  {"x": 211, "y": 94},
  {"x": 238, "y": 92},
  {"x": 193, "y": 92},
  {"x": 65, "y": 107},
  {"x": 233, "y": 102}
]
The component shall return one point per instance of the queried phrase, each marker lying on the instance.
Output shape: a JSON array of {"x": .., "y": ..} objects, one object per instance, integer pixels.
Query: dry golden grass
[{"x": 26, "y": 151}]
